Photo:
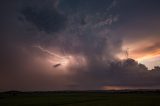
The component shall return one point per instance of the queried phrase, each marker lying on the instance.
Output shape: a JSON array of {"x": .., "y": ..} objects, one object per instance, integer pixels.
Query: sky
[{"x": 49, "y": 45}]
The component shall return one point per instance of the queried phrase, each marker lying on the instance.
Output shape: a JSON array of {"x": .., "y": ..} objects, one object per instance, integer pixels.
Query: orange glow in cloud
[
  {"x": 144, "y": 52},
  {"x": 150, "y": 55},
  {"x": 150, "y": 58}
]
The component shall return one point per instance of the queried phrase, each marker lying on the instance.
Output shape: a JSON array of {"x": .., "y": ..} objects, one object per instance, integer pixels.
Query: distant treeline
[{"x": 142, "y": 91}]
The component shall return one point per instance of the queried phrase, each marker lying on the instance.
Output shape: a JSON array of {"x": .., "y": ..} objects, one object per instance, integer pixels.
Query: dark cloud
[
  {"x": 87, "y": 6},
  {"x": 71, "y": 27},
  {"x": 137, "y": 16},
  {"x": 127, "y": 73},
  {"x": 44, "y": 15}
]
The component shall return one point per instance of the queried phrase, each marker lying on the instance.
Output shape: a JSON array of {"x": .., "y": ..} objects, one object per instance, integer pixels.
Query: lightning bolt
[{"x": 49, "y": 52}]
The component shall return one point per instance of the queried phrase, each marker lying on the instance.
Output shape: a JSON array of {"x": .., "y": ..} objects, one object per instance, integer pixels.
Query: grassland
[{"x": 79, "y": 99}]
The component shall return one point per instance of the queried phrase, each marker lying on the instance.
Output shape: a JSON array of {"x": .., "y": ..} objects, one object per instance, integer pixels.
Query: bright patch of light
[
  {"x": 63, "y": 62},
  {"x": 150, "y": 61}
]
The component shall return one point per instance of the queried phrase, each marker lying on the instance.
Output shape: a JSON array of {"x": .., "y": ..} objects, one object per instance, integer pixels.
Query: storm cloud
[{"x": 37, "y": 34}]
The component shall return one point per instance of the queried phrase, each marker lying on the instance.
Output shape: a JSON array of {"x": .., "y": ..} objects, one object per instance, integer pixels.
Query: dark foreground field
[{"x": 80, "y": 99}]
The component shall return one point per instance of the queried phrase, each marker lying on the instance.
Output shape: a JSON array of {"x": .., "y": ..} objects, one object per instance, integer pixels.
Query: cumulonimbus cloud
[{"x": 80, "y": 31}]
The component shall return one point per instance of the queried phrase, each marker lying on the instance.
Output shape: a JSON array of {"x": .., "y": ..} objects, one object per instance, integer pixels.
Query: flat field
[{"x": 79, "y": 99}]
